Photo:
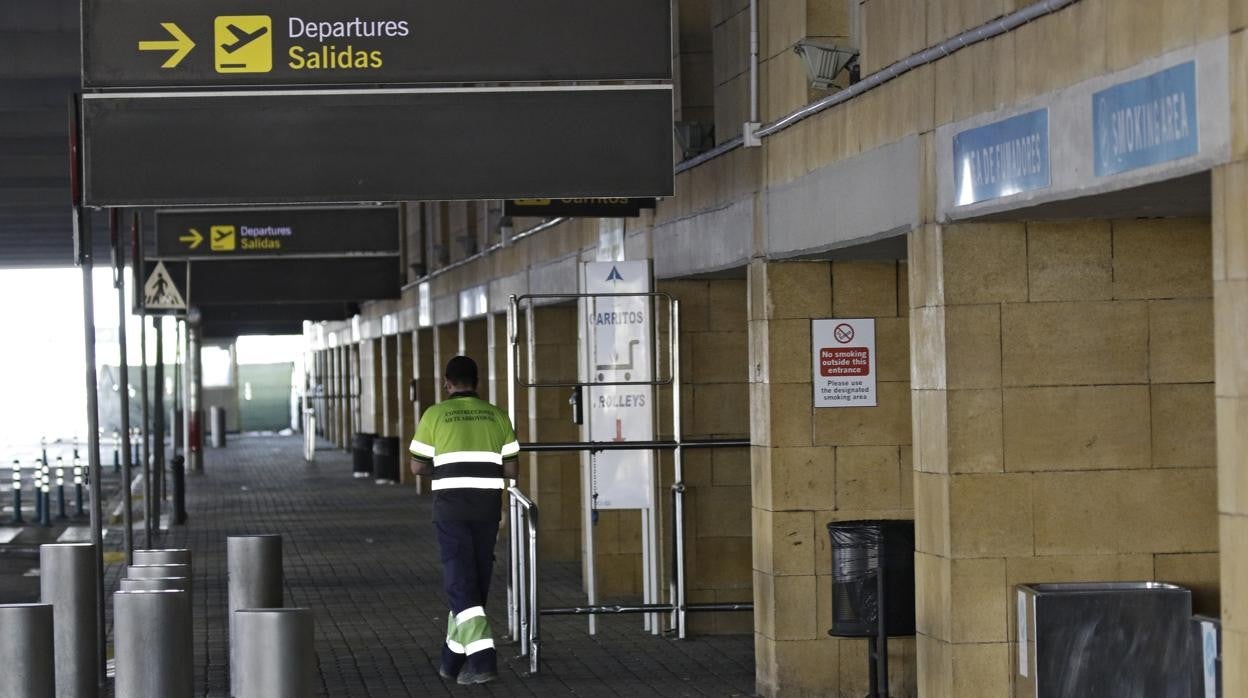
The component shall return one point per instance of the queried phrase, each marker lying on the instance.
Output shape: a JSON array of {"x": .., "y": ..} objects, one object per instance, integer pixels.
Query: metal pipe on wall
[{"x": 123, "y": 371}]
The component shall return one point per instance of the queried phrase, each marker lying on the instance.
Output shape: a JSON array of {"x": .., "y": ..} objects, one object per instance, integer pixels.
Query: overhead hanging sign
[
  {"x": 844, "y": 362},
  {"x": 157, "y": 43},
  {"x": 258, "y": 149},
  {"x": 278, "y": 281},
  {"x": 1146, "y": 121},
  {"x": 223, "y": 234},
  {"x": 618, "y": 341},
  {"x": 577, "y": 208},
  {"x": 1003, "y": 158}
]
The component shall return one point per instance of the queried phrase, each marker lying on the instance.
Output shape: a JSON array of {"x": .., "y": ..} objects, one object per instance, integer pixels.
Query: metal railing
[{"x": 525, "y": 629}]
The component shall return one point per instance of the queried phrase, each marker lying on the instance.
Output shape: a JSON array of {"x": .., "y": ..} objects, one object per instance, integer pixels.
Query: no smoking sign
[{"x": 844, "y": 362}]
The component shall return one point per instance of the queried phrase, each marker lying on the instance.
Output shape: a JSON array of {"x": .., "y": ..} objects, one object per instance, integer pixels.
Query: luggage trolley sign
[
  {"x": 619, "y": 346},
  {"x": 844, "y": 362}
]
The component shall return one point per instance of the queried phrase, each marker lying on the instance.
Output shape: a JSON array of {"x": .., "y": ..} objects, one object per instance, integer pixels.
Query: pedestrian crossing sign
[{"x": 160, "y": 293}]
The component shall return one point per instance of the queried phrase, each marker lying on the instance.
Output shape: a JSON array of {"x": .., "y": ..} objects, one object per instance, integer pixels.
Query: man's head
[{"x": 461, "y": 375}]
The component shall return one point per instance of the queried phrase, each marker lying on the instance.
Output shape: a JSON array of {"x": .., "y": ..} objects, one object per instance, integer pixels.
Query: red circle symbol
[{"x": 843, "y": 333}]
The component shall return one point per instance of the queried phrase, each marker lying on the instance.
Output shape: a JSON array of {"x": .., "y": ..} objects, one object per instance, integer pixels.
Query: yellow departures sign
[
  {"x": 181, "y": 45},
  {"x": 193, "y": 238},
  {"x": 244, "y": 43}
]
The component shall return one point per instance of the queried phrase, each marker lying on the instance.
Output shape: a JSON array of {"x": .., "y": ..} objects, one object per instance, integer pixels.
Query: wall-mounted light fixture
[{"x": 825, "y": 61}]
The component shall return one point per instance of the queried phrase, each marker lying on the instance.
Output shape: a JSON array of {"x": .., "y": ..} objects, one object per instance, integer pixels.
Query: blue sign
[
  {"x": 1146, "y": 121},
  {"x": 1002, "y": 158}
]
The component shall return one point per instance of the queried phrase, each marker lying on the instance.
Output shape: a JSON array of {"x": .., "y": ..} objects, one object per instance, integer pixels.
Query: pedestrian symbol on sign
[
  {"x": 159, "y": 293},
  {"x": 843, "y": 333}
]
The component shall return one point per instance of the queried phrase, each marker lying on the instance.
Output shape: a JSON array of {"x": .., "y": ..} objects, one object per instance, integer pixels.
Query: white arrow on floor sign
[{"x": 160, "y": 293}]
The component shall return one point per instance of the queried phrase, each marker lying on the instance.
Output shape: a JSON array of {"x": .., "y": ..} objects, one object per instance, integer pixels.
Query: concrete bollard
[
  {"x": 67, "y": 581},
  {"x": 254, "y": 567},
  {"x": 152, "y": 644},
  {"x": 155, "y": 584},
  {"x": 276, "y": 654},
  {"x": 26, "y": 651},
  {"x": 168, "y": 556}
]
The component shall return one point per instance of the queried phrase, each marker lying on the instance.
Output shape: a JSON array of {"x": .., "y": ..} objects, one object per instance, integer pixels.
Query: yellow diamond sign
[{"x": 244, "y": 43}]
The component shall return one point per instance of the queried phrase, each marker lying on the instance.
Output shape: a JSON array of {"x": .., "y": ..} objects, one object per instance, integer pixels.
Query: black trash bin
[
  {"x": 861, "y": 552},
  {"x": 362, "y": 454},
  {"x": 386, "y": 459}
]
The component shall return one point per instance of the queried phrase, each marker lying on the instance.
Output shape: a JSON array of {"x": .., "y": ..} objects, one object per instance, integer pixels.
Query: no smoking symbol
[{"x": 843, "y": 333}]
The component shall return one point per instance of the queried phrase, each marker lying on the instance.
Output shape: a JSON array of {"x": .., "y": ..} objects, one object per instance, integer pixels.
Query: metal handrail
[{"x": 530, "y": 643}]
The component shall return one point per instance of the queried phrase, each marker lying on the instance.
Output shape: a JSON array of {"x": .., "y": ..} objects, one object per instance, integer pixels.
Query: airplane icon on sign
[{"x": 242, "y": 38}]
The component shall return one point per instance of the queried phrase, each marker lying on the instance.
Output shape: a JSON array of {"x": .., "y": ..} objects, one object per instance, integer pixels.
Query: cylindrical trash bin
[
  {"x": 216, "y": 426},
  {"x": 254, "y": 567},
  {"x": 362, "y": 454},
  {"x": 152, "y": 644},
  {"x": 859, "y": 548},
  {"x": 276, "y": 656},
  {"x": 386, "y": 459},
  {"x": 26, "y": 651},
  {"x": 67, "y": 581}
]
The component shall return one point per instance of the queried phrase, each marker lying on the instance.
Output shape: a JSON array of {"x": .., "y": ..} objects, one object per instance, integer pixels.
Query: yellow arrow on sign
[
  {"x": 181, "y": 45},
  {"x": 193, "y": 239}
]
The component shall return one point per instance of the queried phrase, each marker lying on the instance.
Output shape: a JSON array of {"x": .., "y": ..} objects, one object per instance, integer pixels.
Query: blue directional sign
[
  {"x": 1146, "y": 121},
  {"x": 1002, "y": 158}
]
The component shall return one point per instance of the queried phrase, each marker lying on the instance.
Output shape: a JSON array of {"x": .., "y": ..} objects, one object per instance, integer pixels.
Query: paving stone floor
[{"x": 362, "y": 556}]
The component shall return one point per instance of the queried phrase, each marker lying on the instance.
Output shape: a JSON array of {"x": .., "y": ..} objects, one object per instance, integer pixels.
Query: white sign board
[
  {"x": 618, "y": 344},
  {"x": 844, "y": 362},
  {"x": 159, "y": 291}
]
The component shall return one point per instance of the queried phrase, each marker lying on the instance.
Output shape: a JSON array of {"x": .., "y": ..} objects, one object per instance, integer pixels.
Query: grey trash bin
[{"x": 1103, "y": 640}]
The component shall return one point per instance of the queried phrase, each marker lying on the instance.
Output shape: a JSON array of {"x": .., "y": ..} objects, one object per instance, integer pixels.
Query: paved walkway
[{"x": 363, "y": 558}]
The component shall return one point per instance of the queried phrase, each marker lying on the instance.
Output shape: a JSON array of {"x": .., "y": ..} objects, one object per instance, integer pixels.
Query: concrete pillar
[
  {"x": 1063, "y": 420},
  {"x": 812, "y": 466},
  {"x": 346, "y": 390},
  {"x": 1230, "y": 289}
]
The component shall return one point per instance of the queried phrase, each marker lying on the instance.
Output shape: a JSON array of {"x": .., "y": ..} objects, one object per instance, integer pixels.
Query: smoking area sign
[{"x": 844, "y": 362}]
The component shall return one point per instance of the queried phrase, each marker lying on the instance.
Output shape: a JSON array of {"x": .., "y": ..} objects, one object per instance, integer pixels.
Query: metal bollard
[
  {"x": 275, "y": 649},
  {"x": 158, "y": 571},
  {"x": 254, "y": 568},
  {"x": 166, "y": 556},
  {"x": 60, "y": 489},
  {"x": 116, "y": 452},
  {"x": 78, "y": 483},
  {"x": 36, "y": 483},
  {"x": 152, "y": 644},
  {"x": 17, "y": 493},
  {"x": 26, "y": 651},
  {"x": 67, "y": 582},
  {"x": 178, "y": 466},
  {"x": 45, "y": 494},
  {"x": 155, "y": 584}
]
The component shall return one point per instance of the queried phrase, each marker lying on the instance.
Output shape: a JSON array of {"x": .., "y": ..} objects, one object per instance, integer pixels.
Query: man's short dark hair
[{"x": 461, "y": 371}]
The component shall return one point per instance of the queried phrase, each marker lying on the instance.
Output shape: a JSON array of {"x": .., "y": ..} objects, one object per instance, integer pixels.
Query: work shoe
[
  {"x": 468, "y": 678},
  {"x": 446, "y": 673}
]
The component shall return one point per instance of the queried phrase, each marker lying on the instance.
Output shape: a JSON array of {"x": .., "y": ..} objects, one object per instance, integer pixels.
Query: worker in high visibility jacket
[{"x": 469, "y": 448}]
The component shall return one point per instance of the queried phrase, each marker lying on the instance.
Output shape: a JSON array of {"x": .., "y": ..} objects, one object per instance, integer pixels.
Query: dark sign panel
[
  {"x": 178, "y": 149},
  {"x": 272, "y": 281},
  {"x": 158, "y": 43},
  {"x": 276, "y": 318},
  {"x": 229, "y": 233},
  {"x": 603, "y": 207}
]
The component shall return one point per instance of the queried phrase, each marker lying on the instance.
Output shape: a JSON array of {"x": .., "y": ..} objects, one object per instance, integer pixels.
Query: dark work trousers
[{"x": 467, "y": 564}]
